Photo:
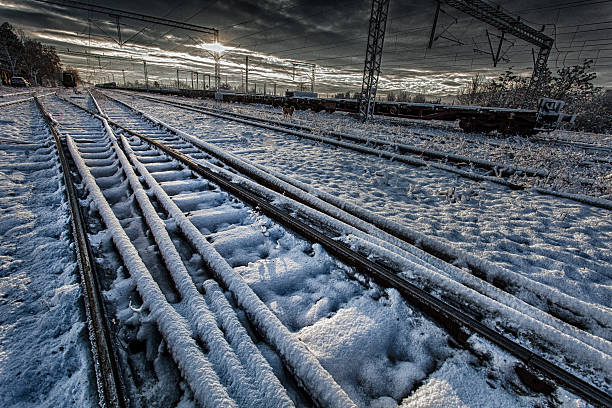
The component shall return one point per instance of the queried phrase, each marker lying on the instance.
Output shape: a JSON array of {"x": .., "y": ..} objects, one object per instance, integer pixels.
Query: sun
[{"x": 217, "y": 48}]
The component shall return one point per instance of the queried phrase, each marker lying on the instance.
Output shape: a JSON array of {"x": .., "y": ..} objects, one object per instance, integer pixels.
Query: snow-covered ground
[
  {"x": 567, "y": 166},
  {"x": 44, "y": 350},
  {"x": 558, "y": 242},
  {"x": 380, "y": 350},
  {"x": 219, "y": 132}
]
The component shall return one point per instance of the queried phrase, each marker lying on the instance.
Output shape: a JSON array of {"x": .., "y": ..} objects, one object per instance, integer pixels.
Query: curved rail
[
  {"x": 447, "y": 315},
  {"x": 363, "y": 147},
  {"x": 356, "y": 216},
  {"x": 110, "y": 386}
]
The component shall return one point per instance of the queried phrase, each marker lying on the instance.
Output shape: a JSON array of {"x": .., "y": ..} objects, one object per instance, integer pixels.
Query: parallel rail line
[
  {"x": 364, "y": 147},
  {"x": 355, "y": 216},
  {"x": 444, "y": 313},
  {"x": 110, "y": 385},
  {"x": 219, "y": 366}
]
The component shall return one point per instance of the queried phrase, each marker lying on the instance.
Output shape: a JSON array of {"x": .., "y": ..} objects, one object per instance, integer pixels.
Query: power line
[{"x": 285, "y": 23}]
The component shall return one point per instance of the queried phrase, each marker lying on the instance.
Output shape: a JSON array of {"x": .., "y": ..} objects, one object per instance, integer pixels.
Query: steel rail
[
  {"x": 8, "y": 95},
  {"x": 28, "y": 99},
  {"x": 431, "y": 246},
  {"x": 401, "y": 147},
  {"x": 445, "y": 314},
  {"x": 581, "y": 198},
  {"x": 340, "y": 143},
  {"x": 110, "y": 385},
  {"x": 576, "y": 144},
  {"x": 16, "y": 101}
]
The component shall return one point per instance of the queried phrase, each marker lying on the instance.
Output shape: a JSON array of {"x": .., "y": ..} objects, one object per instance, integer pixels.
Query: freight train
[{"x": 471, "y": 118}]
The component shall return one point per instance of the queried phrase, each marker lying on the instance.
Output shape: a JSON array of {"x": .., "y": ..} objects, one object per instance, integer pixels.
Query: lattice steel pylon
[
  {"x": 498, "y": 18},
  {"x": 539, "y": 68},
  {"x": 371, "y": 69}
]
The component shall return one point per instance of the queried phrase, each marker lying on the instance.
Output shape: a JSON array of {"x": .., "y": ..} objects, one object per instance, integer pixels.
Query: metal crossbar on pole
[
  {"x": 508, "y": 24},
  {"x": 371, "y": 69},
  {"x": 313, "y": 68}
]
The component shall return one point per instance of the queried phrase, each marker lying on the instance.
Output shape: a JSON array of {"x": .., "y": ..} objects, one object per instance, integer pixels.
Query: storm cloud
[{"x": 330, "y": 34}]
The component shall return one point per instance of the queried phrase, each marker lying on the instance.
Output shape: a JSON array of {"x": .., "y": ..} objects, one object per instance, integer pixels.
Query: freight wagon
[{"x": 471, "y": 118}]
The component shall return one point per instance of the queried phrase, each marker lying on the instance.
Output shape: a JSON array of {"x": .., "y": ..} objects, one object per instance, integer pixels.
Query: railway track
[
  {"x": 426, "y": 137},
  {"x": 236, "y": 372},
  {"x": 354, "y": 216},
  {"x": 584, "y": 146},
  {"x": 489, "y": 272},
  {"x": 515, "y": 178},
  {"x": 430, "y": 139},
  {"x": 20, "y": 97},
  {"x": 110, "y": 384},
  {"x": 329, "y": 245}
]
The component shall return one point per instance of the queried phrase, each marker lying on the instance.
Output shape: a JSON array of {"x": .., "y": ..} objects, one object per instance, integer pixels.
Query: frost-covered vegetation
[{"x": 573, "y": 85}]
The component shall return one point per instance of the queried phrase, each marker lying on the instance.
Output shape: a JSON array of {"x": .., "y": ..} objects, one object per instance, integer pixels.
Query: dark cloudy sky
[{"x": 331, "y": 34}]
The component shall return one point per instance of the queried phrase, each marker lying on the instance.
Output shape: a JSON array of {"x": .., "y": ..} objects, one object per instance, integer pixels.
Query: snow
[
  {"x": 582, "y": 308},
  {"x": 346, "y": 340},
  {"x": 567, "y": 166},
  {"x": 44, "y": 350},
  {"x": 226, "y": 363},
  {"x": 195, "y": 367},
  {"x": 537, "y": 238},
  {"x": 319, "y": 383},
  {"x": 433, "y": 394},
  {"x": 292, "y": 309}
]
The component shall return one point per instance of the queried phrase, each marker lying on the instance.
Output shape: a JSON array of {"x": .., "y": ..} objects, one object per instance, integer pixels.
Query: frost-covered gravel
[
  {"x": 558, "y": 242},
  {"x": 44, "y": 350}
]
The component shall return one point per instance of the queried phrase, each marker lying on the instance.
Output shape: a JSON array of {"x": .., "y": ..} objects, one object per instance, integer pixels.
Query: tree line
[{"x": 26, "y": 57}]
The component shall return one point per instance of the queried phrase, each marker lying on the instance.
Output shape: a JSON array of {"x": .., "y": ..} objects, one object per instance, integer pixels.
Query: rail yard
[
  {"x": 224, "y": 204},
  {"x": 268, "y": 261}
]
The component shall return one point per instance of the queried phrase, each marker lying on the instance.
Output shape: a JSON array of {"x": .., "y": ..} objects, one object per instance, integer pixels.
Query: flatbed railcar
[{"x": 471, "y": 118}]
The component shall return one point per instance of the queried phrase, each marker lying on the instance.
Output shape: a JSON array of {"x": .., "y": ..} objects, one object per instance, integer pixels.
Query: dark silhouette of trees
[
  {"x": 28, "y": 58},
  {"x": 11, "y": 47}
]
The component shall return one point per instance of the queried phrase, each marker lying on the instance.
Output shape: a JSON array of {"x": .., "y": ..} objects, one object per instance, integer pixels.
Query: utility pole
[
  {"x": 435, "y": 23},
  {"x": 123, "y": 71},
  {"x": 119, "y": 31},
  {"x": 246, "y": 74},
  {"x": 146, "y": 74},
  {"x": 275, "y": 89},
  {"x": 178, "y": 83},
  {"x": 264, "y": 88},
  {"x": 312, "y": 83},
  {"x": 371, "y": 68},
  {"x": 312, "y": 76},
  {"x": 191, "y": 79},
  {"x": 197, "y": 80}
]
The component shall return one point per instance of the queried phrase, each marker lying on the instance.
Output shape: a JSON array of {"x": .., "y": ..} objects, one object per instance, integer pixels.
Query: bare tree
[{"x": 11, "y": 47}]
